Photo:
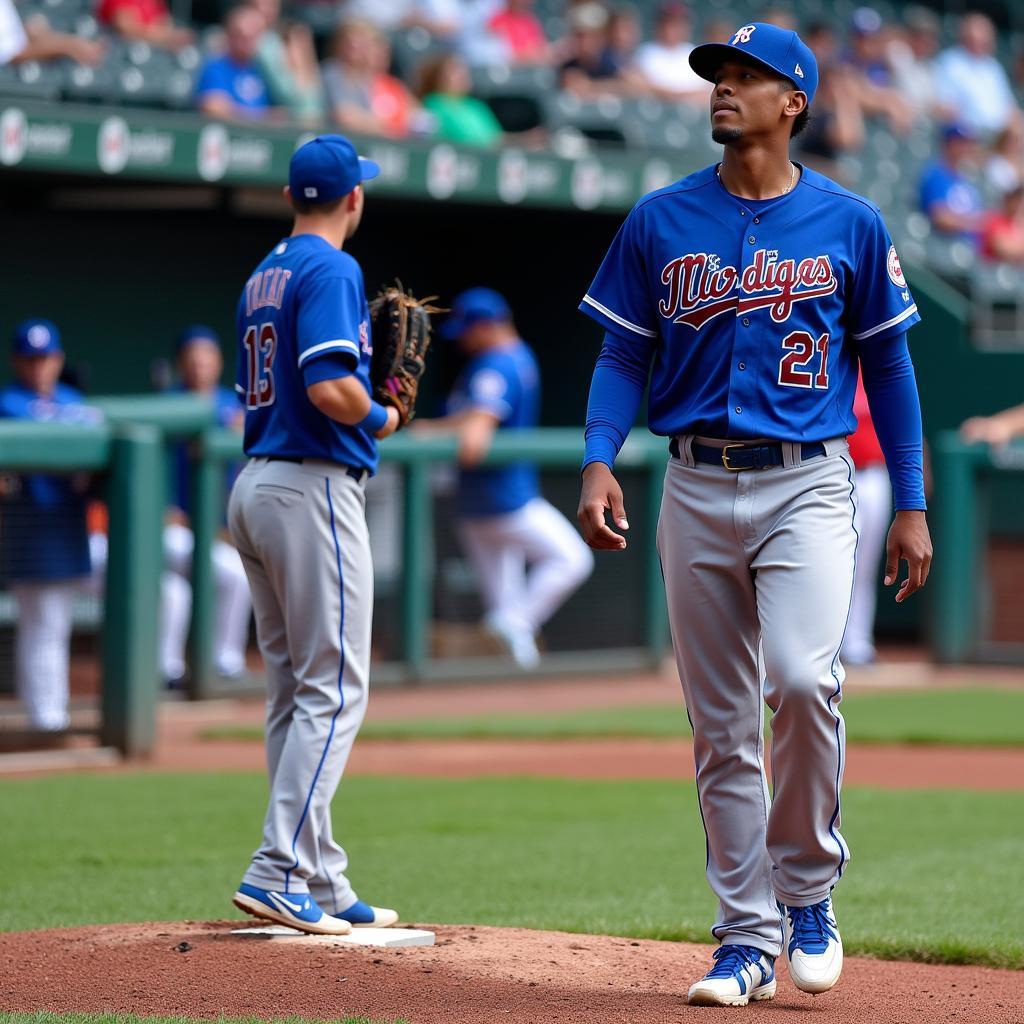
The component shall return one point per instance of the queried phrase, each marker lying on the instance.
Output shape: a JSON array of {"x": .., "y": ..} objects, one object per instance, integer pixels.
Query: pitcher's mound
[{"x": 473, "y": 975}]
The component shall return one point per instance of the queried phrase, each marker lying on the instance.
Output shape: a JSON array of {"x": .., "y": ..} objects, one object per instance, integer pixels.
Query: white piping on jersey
[
  {"x": 618, "y": 319},
  {"x": 324, "y": 345},
  {"x": 888, "y": 323}
]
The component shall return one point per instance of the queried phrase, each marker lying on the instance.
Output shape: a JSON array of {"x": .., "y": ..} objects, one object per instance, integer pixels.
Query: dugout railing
[
  {"x": 962, "y": 591},
  {"x": 130, "y": 455}
]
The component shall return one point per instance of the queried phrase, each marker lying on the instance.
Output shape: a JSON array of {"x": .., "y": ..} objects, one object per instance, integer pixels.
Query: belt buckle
[{"x": 725, "y": 458}]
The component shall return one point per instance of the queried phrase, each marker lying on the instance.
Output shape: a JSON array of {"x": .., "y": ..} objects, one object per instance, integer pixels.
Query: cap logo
[
  {"x": 310, "y": 192},
  {"x": 743, "y": 35},
  {"x": 799, "y": 71},
  {"x": 38, "y": 336}
]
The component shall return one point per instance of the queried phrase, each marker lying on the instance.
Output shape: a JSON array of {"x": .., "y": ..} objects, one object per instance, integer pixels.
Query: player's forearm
[
  {"x": 896, "y": 413},
  {"x": 616, "y": 391},
  {"x": 343, "y": 399}
]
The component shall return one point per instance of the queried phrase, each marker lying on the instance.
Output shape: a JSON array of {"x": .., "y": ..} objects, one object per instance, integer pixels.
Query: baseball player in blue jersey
[
  {"x": 503, "y": 522},
  {"x": 297, "y": 517},
  {"x": 748, "y": 292},
  {"x": 44, "y": 544}
]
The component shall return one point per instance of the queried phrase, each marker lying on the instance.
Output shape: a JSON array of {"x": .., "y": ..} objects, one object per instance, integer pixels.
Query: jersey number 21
[{"x": 260, "y": 349}]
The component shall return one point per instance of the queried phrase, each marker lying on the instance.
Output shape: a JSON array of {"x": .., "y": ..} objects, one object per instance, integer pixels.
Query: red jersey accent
[{"x": 864, "y": 447}]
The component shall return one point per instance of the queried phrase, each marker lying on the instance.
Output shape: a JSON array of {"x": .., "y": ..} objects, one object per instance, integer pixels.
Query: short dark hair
[{"x": 305, "y": 207}]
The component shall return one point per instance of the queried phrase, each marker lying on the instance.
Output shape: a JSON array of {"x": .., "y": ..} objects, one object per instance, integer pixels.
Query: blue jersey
[
  {"x": 505, "y": 382},
  {"x": 244, "y": 83},
  {"x": 752, "y": 312},
  {"x": 303, "y": 318},
  {"x": 228, "y": 407},
  {"x": 43, "y": 532},
  {"x": 942, "y": 185}
]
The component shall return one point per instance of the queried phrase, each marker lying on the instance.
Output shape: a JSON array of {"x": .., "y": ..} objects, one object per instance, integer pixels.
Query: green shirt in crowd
[{"x": 463, "y": 119}]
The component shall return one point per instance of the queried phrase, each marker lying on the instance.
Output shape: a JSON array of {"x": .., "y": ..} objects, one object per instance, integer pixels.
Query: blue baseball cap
[
  {"x": 327, "y": 167},
  {"x": 958, "y": 130},
  {"x": 474, "y": 306},
  {"x": 193, "y": 333},
  {"x": 778, "y": 49},
  {"x": 36, "y": 338}
]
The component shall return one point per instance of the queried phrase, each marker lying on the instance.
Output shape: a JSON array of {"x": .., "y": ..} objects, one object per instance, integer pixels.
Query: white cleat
[
  {"x": 362, "y": 915},
  {"x": 515, "y": 637},
  {"x": 740, "y": 974},
  {"x": 813, "y": 946}
]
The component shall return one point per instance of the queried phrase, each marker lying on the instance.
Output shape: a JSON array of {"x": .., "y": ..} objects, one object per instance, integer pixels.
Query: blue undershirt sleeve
[
  {"x": 891, "y": 388},
  {"x": 616, "y": 391}
]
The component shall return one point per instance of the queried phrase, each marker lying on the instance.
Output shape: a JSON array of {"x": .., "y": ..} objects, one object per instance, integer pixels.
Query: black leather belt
[
  {"x": 739, "y": 456},
  {"x": 354, "y": 472}
]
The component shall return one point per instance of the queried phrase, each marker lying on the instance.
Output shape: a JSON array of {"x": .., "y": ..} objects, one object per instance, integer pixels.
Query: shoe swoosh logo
[{"x": 296, "y": 908}]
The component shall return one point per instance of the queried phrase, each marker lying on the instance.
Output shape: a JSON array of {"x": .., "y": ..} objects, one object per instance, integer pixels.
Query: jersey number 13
[
  {"x": 803, "y": 355},
  {"x": 260, "y": 349}
]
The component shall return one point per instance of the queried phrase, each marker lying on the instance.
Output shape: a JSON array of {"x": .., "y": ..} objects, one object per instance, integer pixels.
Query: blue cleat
[
  {"x": 813, "y": 946},
  {"x": 740, "y": 974},
  {"x": 294, "y": 909},
  {"x": 362, "y": 915}
]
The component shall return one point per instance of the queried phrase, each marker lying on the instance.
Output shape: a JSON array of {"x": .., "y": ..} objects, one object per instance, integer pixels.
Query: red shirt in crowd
[
  {"x": 999, "y": 224},
  {"x": 523, "y": 33},
  {"x": 864, "y": 447},
  {"x": 391, "y": 104},
  {"x": 147, "y": 12}
]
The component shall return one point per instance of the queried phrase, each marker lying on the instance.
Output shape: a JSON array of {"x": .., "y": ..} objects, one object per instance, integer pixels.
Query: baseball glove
[{"x": 401, "y": 337}]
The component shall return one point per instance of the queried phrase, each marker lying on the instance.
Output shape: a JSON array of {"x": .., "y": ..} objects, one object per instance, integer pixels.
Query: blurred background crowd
[{"x": 920, "y": 111}]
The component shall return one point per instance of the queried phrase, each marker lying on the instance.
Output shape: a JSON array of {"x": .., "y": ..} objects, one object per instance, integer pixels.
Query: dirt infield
[{"x": 473, "y": 976}]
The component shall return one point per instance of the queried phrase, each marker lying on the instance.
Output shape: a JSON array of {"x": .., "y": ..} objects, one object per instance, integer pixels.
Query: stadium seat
[
  {"x": 31, "y": 81},
  {"x": 515, "y": 93},
  {"x": 600, "y": 120},
  {"x": 997, "y": 313},
  {"x": 90, "y": 85}
]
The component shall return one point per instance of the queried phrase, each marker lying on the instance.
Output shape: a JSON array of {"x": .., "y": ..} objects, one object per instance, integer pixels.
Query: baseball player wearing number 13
[
  {"x": 755, "y": 287},
  {"x": 297, "y": 518}
]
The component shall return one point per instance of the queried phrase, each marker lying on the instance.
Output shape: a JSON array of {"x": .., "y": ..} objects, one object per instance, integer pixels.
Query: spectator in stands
[
  {"x": 145, "y": 20},
  {"x": 1004, "y": 169},
  {"x": 971, "y": 81},
  {"x": 200, "y": 364},
  {"x": 836, "y": 125},
  {"x": 664, "y": 62},
  {"x": 362, "y": 96},
  {"x": 231, "y": 86},
  {"x": 44, "y": 546},
  {"x": 912, "y": 58},
  {"x": 820, "y": 36},
  {"x": 623, "y": 37},
  {"x": 589, "y": 70},
  {"x": 286, "y": 56},
  {"x": 871, "y": 74},
  {"x": 444, "y": 86},
  {"x": 998, "y": 430},
  {"x": 781, "y": 16},
  {"x": 35, "y": 40},
  {"x": 522, "y": 32},
  {"x": 947, "y": 194},
  {"x": 1002, "y": 234}
]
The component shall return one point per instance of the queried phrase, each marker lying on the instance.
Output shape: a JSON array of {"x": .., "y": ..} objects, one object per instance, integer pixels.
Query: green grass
[
  {"x": 957, "y": 717},
  {"x": 42, "y": 1017},
  {"x": 936, "y": 875}
]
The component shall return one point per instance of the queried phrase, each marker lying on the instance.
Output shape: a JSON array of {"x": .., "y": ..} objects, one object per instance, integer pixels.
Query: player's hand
[
  {"x": 601, "y": 492},
  {"x": 910, "y": 541},
  {"x": 391, "y": 426}
]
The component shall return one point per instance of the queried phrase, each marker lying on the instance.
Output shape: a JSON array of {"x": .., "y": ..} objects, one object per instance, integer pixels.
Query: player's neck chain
[{"x": 785, "y": 191}]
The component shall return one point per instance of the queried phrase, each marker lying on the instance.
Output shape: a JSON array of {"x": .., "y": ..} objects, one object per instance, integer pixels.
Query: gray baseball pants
[
  {"x": 300, "y": 529},
  {"x": 759, "y": 568}
]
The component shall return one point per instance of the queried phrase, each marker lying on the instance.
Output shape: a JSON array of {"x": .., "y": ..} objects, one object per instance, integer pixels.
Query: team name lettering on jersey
[
  {"x": 266, "y": 288},
  {"x": 701, "y": 288}
]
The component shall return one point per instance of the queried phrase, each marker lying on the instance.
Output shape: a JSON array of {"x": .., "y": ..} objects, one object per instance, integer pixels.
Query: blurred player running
[{"x": 528, "y": 558}]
